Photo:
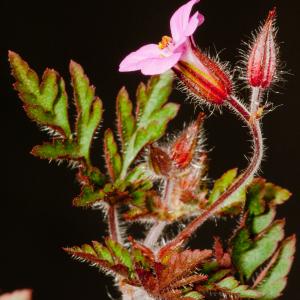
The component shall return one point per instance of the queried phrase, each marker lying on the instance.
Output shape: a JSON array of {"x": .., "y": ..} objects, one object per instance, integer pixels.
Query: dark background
[{"x": 36, "y": 215}]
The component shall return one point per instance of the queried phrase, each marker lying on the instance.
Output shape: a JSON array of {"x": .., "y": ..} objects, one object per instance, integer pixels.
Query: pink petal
[
  {"x": 133, "y": 61},
  {"x": 155, "y": 66},
  {"x": 180, "y": 20},
  {"x": 195, "y": 21},
  {"x": 17, "y": 295}
]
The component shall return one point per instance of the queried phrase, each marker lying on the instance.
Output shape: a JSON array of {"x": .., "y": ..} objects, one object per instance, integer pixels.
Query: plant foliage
[{"x": 253, "y": 264}]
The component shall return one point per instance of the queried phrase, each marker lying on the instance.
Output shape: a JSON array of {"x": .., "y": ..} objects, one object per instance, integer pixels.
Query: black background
[{"x": 36, "y": 215}]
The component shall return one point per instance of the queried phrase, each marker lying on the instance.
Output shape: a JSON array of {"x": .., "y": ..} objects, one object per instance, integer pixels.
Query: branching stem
[{"x": 240, "y": 182}]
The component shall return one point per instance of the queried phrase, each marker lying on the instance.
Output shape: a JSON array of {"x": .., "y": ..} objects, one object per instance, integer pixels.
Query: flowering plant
[{"x": 160, "y": 183}]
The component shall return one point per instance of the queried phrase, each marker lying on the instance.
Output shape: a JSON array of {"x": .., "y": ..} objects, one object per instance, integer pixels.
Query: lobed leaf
[
  {"x": 158, "y": 91},
  {"x": 182, "y": 264},
  {"x": 89, "y": 110},
  {"x": 152, "y": 115},
  {"x": 275, "y": 280},
  {"x": 45, "y": 102},
  {"x": 256, "y": 243},
  {"x": 56, "y": 150},
  {"x": 112, "y": 257},
  {"x": 260, "y": 251},
  {"x": 231, "y": 287}
]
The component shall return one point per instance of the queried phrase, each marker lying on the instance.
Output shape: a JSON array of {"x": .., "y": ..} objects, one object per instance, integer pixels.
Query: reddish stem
[
  {"x": 241, "y": 181},
  {"x": 113, "y": 223}
]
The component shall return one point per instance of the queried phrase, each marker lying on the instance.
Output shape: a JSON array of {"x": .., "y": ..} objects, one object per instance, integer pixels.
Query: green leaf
[
  {"x": 46, "y": 101},
  {"x": 103, "y": 252},
  {"x": 262, "y": 222},
  {"x": 158, "y": 91},
  {"x": 89, "y": 110},
  {"x": 56, "y": 150},
  {"x": 243, "y": 291},
  {"x": 154, "y": 130},
  {"x": 88, "y": 197},
  {"x": 125, "y": 119},
  {"x": 218, "y": 275},
  {"x": 229, "y": 283},
  {"x": 153, "y": 116},
  {"x": 141, "y": 97},
  {"x": 276, "y": 195},
  {"x": 87, "y": 253},
  {"x": 233, "y": 287},
  {"x": 112, "y": 257},
  {"x": 255, "y": 196},
  {"x": 138, "y": 174},
  {"x": 88, "y": 249},
  {"x": 275, "y": 280},
  {"x": 256, "y": 243},
  {"x": 236, "y": 201},
  {"x": 193, "y": 295},
  {"x": 112, "y": 157},
  {"x": 259, "y": 251},
  {"x": 221, "y": 185},
  {"x": 120, "y": 253}
]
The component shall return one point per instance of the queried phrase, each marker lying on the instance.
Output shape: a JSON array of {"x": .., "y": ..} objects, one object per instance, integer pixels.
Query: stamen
[{"x": 165, "y": 42}]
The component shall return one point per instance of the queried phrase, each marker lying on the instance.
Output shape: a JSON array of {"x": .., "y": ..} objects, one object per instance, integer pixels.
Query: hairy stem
[
  {"x": 168, "y": 199},
  {"x": 113, "y": 224},
  {"x": 240, "y": 182},
  {"x": 255, "y": 100},
  {"x": 154, "y": 233}
]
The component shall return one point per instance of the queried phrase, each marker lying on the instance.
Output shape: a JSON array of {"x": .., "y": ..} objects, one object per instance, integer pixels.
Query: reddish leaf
[
  {"x": 223, "y": 259},
  {"x": 181, "y": 264}
]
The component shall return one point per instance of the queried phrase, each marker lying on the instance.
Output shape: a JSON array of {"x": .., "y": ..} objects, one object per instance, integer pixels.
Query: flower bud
[
  {"x": 263, "y": 55},
  {"x": 203, "y": 76},
  {"x": 183, "y": 148},
  {"x": 160, "y": 162}
]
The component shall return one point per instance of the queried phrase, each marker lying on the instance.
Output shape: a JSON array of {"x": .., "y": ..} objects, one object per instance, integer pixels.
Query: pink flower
[
  {"x": 201, "y": 75},
  {"x": 153, "y": 59}
]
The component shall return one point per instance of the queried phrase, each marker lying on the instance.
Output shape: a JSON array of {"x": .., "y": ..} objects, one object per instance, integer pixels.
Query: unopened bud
[
  {"x": 263, "y": 55},
  {"x": 204, "y": 77},
  {"x": 159, "y": 161},
  {"x": 183, "y": 148}
]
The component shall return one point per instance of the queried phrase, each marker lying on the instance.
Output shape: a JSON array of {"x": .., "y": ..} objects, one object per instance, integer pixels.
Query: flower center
[{"x": 165, "y": 42}]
